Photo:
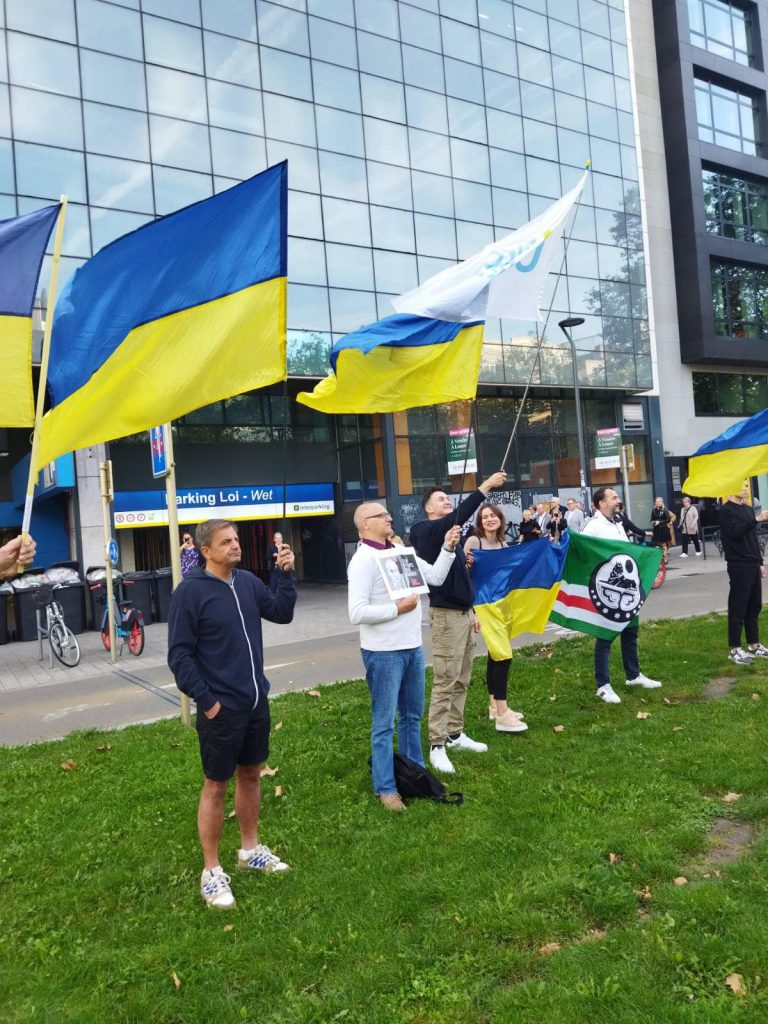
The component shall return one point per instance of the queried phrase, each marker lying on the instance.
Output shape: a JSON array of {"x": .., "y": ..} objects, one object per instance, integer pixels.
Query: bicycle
[
  {"x": 129, "y": 623},
  {"x": 62, "y": 641}
]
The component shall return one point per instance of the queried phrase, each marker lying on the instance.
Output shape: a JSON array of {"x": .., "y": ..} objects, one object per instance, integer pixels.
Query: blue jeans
[
  {"x": 396, "y": 682},
  {"x": 628, "y": 656}
]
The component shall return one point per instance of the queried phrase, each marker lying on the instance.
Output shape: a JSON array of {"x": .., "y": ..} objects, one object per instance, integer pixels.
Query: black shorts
[{"x": 233, "y": 738}]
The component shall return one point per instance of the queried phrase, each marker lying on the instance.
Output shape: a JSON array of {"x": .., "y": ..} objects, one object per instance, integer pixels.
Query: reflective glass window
[
  {"x": 429, "y": 152},
  {"x": 423, "y": 69},
  {"x": 568, "y": 76},
  {"x": 122, "y": 184},
  {"x": 571, "y": 112},
  {"x": 332, "y": 42},
  {"x": 175, "y": 189},
  {"x": 187, "y": 11},
  {"x": 304, "y": 215},
  {"x": 460, "y": 10},
  {"x": 420, "y": 28},
  {"x": 282, "y": 29},
  {"x": 540, "y": 139},
  {"x": 41, "y": 64},
  {"x": 102, "y": 26},
  {"x": 336, "y": 87},
  {"x": 469, "y": 160},
  {"x": 389, "y": 185},
  {"x": 380, "y": 17},
  {"x": 395, "y": 271},
  {"x": 113, "y": 80},
  {"x": 232, "y": 106},
  {"x": 465, "y": 81},
  {"x": 508, "y": 170},
  {"x": 346, "y": 222},
  {"x": 303, "y": 163},
  {"x": 286, "y": 73},
  {"x": 473, "y": 201},
  {"x": 603, "y": 121},
  {"x": 233, "y": 60},
  {"x": 6, "y": 172},
  {"x": 722, "y": 28},
  {"x": 382, "y": 98},
  {"x": 537, "y": 102},
  {"x": 306, "y": 261},
  {"x": 385, "y": 141},
  {"x": 594, "y": 16},
  {"x": 435, "y": 236},
  {"x": 343, "y": 177},
  {"x": 308, "y": 308},
  {"x": 172, "y": 44},
  {"x": 349, "y": 266},
  {"x": 44, "y": 117},
  {"x": 565, "y": 10},
  {"x": 180, "y": 143},
  {"x": 77, "y": 235},
  {"x": 534, "y": 65},
  {"x": 392, "y": 229},
  {"x": 563, "y": 41},
  {"x": 237, "y": 155},
  {"x": 289, "y": 120},
  {"x": 502, "y": 91},
  {"x": 498, "y": 54},
  {"x": 351, "y": 310},
  {"x": 596, "y": 51},
  {"x": 46, "y": 172},
  {"x": 379, "y": 56},
  {"x": 460, "y": 41},
  {"x": 235, "y": 17},
  {"x": 466, "y": 120},
  {"x": 727, "y": 117},
  {"x": 509, "y": 208},
  {"x": 426, "y": 110},
  {"x": 471, "y": 238},
  {"x": 505, "y": 131},
  {"x": 58, "y": 17},
  {"x": 606, "y": 156},
  {"x": 337, "y": 10},
  {"x": 176, "y": 94},
  {"x": 107, "y": 225},
  {"x": 497, "y": 16},
  {"x": 339, "y": 130},
  {"x": 432, "y": 193}
]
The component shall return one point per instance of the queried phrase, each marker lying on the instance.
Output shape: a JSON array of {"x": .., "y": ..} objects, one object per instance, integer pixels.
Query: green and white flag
[{"x": 605, "y": 584}]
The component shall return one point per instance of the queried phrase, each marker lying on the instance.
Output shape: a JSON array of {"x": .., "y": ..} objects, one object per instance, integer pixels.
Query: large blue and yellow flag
[
  {"x": 22, "y": 247},
  {"x": 185, "y": 311},
  {"x": 400, "y": 362},
  {"x": 721, "y": 466},
  {"x": 515, "y": 589}
]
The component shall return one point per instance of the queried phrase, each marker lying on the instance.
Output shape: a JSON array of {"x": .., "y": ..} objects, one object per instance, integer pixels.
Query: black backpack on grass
[{"x": 414, "y": 781}]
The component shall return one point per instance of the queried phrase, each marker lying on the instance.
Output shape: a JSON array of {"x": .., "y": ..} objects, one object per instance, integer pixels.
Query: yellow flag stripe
[
  {"x": 18, "y": 407},
  {"x": 521, "y": 611},
  {"x": 724, "y": 472}
]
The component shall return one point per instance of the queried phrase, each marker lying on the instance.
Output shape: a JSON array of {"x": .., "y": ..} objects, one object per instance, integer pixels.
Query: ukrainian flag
[
  {"x": 515, "y": 589},
  {"x": 185, "y": 311},
  {"x": 721, "y": 466},
  {"x": 400, "y": 362},
  {"x": 22, "y": 247}
]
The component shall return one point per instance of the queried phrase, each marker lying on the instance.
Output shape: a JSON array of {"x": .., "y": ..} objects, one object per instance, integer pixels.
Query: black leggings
[
  {"x": 745, "y": 601},
  {"x": 496, "y": 677}
]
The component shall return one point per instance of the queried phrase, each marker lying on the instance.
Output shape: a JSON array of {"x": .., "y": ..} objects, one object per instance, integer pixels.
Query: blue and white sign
[
  {"x": 259, "y": 501},
  {"x": 159, "y": 451},
  {"x": 113, "y": 551}
]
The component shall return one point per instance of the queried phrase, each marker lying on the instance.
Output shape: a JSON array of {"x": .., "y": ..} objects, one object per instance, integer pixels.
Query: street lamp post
[{"x": 565, "y": 325}]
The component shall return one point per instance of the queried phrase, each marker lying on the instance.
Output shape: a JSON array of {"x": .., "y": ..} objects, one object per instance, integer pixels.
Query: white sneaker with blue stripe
[
  {"x": 214, "y": 888},
  {"x": 261, "y": 859}
]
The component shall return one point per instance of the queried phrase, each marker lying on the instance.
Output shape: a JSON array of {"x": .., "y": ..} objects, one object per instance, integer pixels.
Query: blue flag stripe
[
  {"x": 400, "y": 331},
  {"x": 746, "y": 434},
  {"x": 22, "y": 248},
  {"x": 535, "y": 565}
]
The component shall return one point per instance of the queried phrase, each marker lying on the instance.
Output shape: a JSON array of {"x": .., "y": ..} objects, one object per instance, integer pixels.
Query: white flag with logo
[{"x": 506, "y": 279}]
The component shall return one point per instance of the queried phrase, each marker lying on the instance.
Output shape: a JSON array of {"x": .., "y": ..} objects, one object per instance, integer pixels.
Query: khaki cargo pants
[{"x": 453, "y": 650}]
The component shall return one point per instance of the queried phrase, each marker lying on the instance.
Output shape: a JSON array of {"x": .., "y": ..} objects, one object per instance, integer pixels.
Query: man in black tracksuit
[
  {"x": 452, "y": 620},
  {"x": 216, "y": 655},
  {"x": 738, "y": 531}
]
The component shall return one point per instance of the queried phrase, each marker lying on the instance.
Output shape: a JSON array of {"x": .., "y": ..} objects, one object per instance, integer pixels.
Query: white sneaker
[
  {"x": 510, "y": 722},
  {"x": 698, "y": 554},
  {"x": 608, "y": 694},
  {"x": 214, "y": 888},
  {"x": 261, "y": 859},
  {"x": 439, "y": 760},
  {"x": 463, "y": 742},
  {"x": 758, "y": 651},
  {"x": 645, "y": 682},
  {"x": 740, "y": 656},
  {"x": 683, "y": 556}
]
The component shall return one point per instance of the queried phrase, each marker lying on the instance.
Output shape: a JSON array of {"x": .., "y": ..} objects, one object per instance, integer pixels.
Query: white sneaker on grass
[
  {"x": 758, "y": 651},
  {"x": 440, "y": 762},
  {"x": 214, "y": 888},
  {"x": 463, "y": 742},
  {"x": 261, "y": 858},
  {"x": 608, "y": 694},
  {"x": 510, "y": 722},
  {"x": 645, "y": 682},
  {"x": 740, "y": 656}
]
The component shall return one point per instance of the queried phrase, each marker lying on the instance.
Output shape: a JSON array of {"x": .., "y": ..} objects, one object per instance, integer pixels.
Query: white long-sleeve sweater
[{"x": 371, "y": 608}]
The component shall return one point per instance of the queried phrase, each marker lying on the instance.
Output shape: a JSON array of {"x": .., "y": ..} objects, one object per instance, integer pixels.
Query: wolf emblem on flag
[{"x": 616, "y": 590}]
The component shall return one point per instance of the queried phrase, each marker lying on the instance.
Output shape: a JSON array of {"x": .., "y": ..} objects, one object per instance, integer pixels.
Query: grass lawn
[{"x": 441, "y": 915}]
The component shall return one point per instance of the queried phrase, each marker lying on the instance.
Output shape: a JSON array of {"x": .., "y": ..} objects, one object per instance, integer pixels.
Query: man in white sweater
[{"x": 390, "y": 639}]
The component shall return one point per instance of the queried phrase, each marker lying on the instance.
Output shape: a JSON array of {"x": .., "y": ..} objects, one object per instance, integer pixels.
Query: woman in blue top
[{"x": 190, "y": 556}]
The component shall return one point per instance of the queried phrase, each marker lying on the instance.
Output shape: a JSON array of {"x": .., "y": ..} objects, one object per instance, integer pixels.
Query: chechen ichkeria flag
[
  {"x": 185, "y": 311},
  {"x": 22, "y": 247},
  {"x": 605, "y": 584}
]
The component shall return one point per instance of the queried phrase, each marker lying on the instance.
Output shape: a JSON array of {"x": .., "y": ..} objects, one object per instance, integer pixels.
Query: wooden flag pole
[
  {"x": 173, "y": 534},
  {"x": 107, "y": 497},
  {"x": 43, "y": 382}
]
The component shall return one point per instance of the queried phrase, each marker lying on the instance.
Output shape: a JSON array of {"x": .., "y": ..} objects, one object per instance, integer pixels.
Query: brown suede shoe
[{"x": 392, "y": 802}]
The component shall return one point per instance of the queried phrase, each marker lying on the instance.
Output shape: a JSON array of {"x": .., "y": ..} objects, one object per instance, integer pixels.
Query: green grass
[{"x": 436, "y": 915}]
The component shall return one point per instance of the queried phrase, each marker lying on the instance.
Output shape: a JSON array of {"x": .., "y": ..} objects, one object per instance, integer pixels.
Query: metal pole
[
  {"x": 564, "y": 325},
  {"x": 105, "y": 476},
  {"x": 173, "y": 535},
  {"x": 625, "y": 478}
]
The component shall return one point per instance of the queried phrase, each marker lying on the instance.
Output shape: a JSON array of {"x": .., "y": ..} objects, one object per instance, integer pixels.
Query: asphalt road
[{"x": 137, "y": 691}]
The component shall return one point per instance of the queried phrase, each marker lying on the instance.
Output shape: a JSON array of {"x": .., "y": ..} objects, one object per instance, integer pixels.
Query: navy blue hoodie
[{"x": 215, "y": 649}]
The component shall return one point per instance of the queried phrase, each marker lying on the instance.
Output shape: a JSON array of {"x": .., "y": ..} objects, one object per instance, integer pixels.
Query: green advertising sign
[
  {"x": 608, "y": 448},
  {"x": 460, "y": 449}
]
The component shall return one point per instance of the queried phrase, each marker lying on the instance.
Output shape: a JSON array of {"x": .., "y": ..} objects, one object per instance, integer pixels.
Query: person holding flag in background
[{"x": 741, "y": 550}]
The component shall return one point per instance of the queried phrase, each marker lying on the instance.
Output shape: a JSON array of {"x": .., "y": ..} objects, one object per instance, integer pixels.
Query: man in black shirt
[
  {"x": 738, "y": 531},
  {"x": 453, "y": 622}
]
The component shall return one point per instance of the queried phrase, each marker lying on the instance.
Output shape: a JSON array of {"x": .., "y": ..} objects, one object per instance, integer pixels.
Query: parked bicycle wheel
[
  {"x": 64, "y": 645},
  {"x": 105, "y": 639},
  {"x": 135, "y": 638}
]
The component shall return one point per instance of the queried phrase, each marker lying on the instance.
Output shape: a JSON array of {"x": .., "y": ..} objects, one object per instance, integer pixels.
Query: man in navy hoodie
[{"x": 216, "y": 655}]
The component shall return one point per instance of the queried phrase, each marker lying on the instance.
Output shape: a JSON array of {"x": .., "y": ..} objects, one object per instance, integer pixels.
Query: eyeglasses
[{"x": 378, "y": 515}]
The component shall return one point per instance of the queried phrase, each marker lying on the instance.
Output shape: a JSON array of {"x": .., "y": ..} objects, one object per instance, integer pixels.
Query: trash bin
[
  {"x": 24, "y": 591},
  {"x": 162, "y": 583},
  {"x": 69, "y": 591},
  {"x": 95, "y": 576},
  {"x": 137, "y": 588},
  {"x": 6, "y": 590}
]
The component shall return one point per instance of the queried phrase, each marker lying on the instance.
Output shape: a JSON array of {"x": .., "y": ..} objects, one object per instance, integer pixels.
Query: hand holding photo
[{"x": 401, "y": 572}]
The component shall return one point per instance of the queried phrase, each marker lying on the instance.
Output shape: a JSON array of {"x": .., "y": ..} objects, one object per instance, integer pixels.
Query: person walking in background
[
  {"x": 488, "y": 535},
  {"x": 574, "y": 517},
  {"x": 216, "y": 654},
  {"x": 744, "y": 561},
  {"x": 272, "y": 553},
  {"x": 190, "y": 556},
  {"x": 661, "y": 524},
  {"x": 529, "y": 528},
  {"x": 453, "y": 622},
  {"x": 632, "y": 531},
  {"x": 689, "y": 527},
  {"x": 390, "y": 643}
]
